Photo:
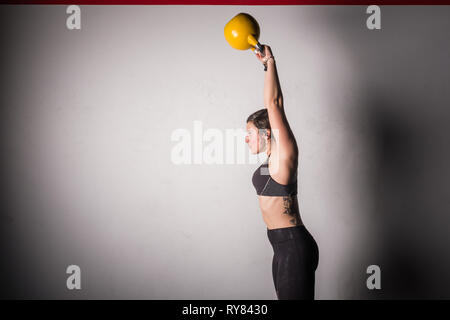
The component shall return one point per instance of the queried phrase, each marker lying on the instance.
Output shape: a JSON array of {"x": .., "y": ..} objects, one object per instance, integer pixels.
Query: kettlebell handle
[{"x": 260, "y": 49}]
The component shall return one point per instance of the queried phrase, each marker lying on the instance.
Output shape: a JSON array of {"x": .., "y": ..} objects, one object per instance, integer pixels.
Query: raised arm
[{"x": 273, "y": 101}]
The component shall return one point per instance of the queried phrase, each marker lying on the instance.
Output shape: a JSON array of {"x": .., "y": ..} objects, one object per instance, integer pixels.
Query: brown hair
[{"x": 260, "y": 119}]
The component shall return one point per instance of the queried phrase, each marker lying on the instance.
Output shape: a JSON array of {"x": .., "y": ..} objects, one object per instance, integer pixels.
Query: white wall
[{"x": 87, "y": 122}]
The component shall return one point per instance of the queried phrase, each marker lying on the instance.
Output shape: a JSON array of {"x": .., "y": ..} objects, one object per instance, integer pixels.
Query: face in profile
[{"x": 255, "y": 139}]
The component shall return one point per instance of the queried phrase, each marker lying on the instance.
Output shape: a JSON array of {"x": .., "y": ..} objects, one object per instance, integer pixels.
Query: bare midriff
[{"x": 280, "y": 212}]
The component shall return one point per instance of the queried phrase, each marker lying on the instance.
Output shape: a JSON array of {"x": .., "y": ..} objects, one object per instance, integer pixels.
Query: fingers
[{"x": 266, "y": 49}]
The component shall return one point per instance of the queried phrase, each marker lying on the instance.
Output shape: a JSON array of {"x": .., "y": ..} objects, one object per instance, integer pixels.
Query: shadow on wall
[{"x": 409, "y": 180}]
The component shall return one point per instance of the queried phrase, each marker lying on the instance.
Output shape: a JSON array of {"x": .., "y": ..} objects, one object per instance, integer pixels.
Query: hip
[{"x": 296, "y": 236}]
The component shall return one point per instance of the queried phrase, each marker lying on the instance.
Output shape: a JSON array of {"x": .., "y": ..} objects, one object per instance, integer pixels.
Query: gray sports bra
[{"x": 266, "y": 186}]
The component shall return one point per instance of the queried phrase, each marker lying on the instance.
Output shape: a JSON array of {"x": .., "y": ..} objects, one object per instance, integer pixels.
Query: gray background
[{"x": 87, "y": 117}]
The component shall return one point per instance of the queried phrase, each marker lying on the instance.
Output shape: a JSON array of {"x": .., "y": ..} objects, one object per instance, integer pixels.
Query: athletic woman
[{"x": 296, "y": 254}]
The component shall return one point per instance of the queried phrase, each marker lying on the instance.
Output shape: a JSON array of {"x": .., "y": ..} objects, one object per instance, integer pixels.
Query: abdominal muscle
[{"x": 280, "y": 212}]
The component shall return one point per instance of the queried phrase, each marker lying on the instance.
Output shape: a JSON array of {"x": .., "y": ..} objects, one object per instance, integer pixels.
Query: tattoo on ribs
[{"x": 289, "y": 209}]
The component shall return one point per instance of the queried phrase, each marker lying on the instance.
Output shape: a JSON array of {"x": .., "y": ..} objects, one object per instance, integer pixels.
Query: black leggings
[{"x": 295, "y": 260}]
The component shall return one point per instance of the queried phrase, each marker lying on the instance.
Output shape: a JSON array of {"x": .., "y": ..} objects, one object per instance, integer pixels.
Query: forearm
[{"x": 272, "y": 88}]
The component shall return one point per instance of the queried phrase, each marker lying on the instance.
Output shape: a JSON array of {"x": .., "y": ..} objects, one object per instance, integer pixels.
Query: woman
[{"x": 296, "y": 254}]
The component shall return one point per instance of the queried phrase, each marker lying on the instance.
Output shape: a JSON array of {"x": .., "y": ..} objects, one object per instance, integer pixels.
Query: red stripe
[{"x": 230, "y": 2}]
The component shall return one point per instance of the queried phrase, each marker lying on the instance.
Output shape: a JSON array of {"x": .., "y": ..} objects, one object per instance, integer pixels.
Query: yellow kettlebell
[{"x": 242, "y": 33}]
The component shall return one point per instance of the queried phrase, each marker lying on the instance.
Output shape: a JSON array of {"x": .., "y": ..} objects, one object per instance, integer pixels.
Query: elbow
[{"x": 277, "y": 102}]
